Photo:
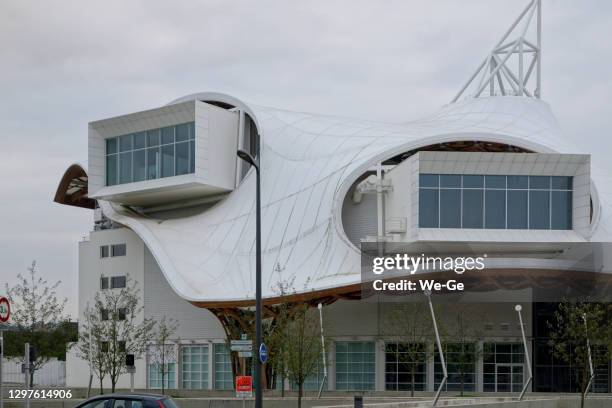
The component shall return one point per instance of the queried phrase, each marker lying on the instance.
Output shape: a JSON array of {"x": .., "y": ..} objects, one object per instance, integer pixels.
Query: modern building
[{"x": 174, "y": 209}]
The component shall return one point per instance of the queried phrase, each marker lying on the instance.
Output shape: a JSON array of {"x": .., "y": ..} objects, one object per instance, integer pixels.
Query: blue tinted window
[
  {"x": 561, "y": 183},
  {"x": 140, "y": 170},
  {"x": 473, "y": 208},
  {"x": 150, "y": 154},
  {"x": 125, "y": 143},
  {"x": 111, "y": 170},
  {"x": 495, "y": 181},
  {"x": 539, "y": 210},
  {"x": 515, "y": 182},
  {"x": 139, "y": 140},
  {"x": 428, "y": 180},
  {"x": 495, "y": 209},
  {"x": 517, "y": 209},
  {"x": 125, "y": 167},
  {"x": 561, "y": 210},
  {"x": 111, "y": 145},
  {"x": 473, "y": 181},
  {"x": 428, "y": 208},
  {"x": 450, "y": 180},
  {"x": 450, "y": 208},
  {"x": 153, "y": 137},
  {"x": 539, "y": 182}
]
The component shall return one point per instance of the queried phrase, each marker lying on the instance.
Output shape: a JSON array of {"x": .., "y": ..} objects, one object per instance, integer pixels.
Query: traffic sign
[
  {"x": 263, "y": 353},
  {"x": 241, "y": 345},
  {"x": 245, "y": 354},
  {"x": 5, "y": 310},
  {"x": 244, "y": 386}
]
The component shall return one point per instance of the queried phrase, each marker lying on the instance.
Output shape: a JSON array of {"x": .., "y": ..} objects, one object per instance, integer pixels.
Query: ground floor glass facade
[{"x": 355, "y": 365}]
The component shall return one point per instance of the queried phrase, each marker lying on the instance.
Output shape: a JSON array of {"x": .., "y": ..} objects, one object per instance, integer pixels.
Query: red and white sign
[
  {"x": 5, "y": 309},
  {"x": 244, "y": 386}
]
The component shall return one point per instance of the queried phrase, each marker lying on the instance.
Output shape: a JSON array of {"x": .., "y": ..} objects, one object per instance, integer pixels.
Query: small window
[
  {"x": 121, "y": 313},
  {"x": 103, "y": 283},
  {"x": 104, "y": 315},
  {"x": 104, "y": 251},
  {"x": 104, "y": 346},
  {"x": 99, "y": 403},
  {"x": 117, "y": 282},
  {"x": 118, "y": 250},
  {"x": 121, "y": 346}
]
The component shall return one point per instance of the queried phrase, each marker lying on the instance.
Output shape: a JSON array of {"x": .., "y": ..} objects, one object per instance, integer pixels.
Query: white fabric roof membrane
[{"x": 308, "y": 162}]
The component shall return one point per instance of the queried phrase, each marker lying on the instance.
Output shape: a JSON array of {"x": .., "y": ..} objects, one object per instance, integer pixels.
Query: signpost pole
[{"x": 1, "y": 358}]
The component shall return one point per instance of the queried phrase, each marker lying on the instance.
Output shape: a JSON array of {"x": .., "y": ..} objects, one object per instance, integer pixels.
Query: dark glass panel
[
  {"x": 518, "y": 182},
  {"x": 140, "y": 170},
  {"x": 473, "y": 181},
  {"x": 167, "y": 160},
  {"x": 450, "y": 208},
  {"x": 450, "y": 180},
  {"x": 495, "y": 209},
  {"x": 473, "y": 208},
  {"x": 125, "y": 167},
  {"x": 539, "y": 210},
  {"x": 539, "y": 182},
  {"x": 167, "y": 135},
  {"x": 182, "y": 132},
  {"x": 152, "y": 163},
  {"x": 153, "y": 137},
  {"x": 428, "y": 180},
  {"x": 517, "y": 209},
  {"x": 495, "y": 181},
  {"x": 139, "y": 140},
  {"x": 125, "y": 143},
  {"x": 561, "y": 210},
  {"x": 111, "y": 145},
  {"x": 562, "y": 183},
  {"x": 111, "y": 170},
  {"x": 182, "y": 158},
  {"x": 428, "y": 208}
]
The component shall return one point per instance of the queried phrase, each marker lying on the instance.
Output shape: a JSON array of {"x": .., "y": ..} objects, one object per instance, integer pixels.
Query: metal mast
[{"x": 509, "y": 67}]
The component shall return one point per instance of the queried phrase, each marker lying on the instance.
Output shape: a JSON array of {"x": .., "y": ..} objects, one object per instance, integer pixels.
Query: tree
[
  {"x": 302, "y": 347},
  {"x": 90, "y": 343},
  {"x": 409, "y": 324},
  {"x": 574, "y": 327},
  {"x": 122, "y": 329},
  {"x": 162, "y": 353},
  {"x": 462, "y": 349},
  {"x": 38, "y": 318}
]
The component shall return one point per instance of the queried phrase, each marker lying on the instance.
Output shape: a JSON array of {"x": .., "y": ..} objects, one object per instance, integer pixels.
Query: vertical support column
[
  {"x": 1, "y": 358},
  {"x": 380, "y": 202},
  {"x": 431, "y": 370},
  {"x": 211, "y": 365},
  {"x": 379, "y": 375},
  {"x": 480, "y": 368}
]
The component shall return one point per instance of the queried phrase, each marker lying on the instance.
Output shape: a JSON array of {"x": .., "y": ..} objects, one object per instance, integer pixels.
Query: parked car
[{"x": 128, "y": 401}]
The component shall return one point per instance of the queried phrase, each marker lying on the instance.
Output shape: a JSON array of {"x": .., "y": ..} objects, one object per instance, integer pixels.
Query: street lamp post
[{"x": 255, "y": 163}]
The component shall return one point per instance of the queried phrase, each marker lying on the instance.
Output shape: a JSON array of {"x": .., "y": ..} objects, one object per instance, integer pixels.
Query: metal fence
[{"x": 53, "y": 373}]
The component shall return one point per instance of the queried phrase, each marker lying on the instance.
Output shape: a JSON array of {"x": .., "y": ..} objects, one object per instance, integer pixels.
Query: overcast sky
[{"x": 66, "y": 63}]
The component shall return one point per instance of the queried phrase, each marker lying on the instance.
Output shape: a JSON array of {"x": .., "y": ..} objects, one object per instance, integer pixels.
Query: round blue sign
[{"x": 263, "y": 353}]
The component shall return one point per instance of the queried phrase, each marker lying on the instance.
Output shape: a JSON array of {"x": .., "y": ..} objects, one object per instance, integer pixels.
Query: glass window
[
  {"x": 450, "y": 180},
  {"x": 192, "y": 156},
  {"x": 125, "y": 167},
  {"x": 517, "y": 208},
  {"x": 167, "y": 135},
  {"x": 118, "y": 250},
  {"x": 182, "y": 158},
  {"x": 495, "y": 209},
  {"x": 518, "y": 182},
  {"x": 428, "y": 180},
  {"x": 428, "y": 208},
  {"x": 473, "y": 181},
  {"x": 111, "y": 170},
  {"x": 98, "y": 403},
  {"x": 224, "y": 379},
  {"x": 561, "y": 183},
  {"x": 127, "y": 403},
  {"x": 539, "y": 209},
  {"x": 153, "y": 137},
  {"x": 461, "y": 365},
  {"x": 125, "y": 143},
  {"x": 111, "y": 145},
  {"x": 194, "y": 372},
  {"x": 450, "y": 208},
  {"x": 104, "y": 251},
  {"x": 355, "y": 365},
  {"x": 539, "y": 182},
  {"x": 153, "y": 163},
  {"x": 495, "y": 182},
  {"x": 167, "y": 160},
  {"x": 182, "y": 132},
  {"x": 140, "y": 170},
  {"x": 140, "y": 140},
  {"x": 155, "y": 376},
  {"x": 473, "y": 208},
  {"x": 139, "y": 156},
  {"x": 503, "y": 367},
  {"x": 561, "y": 210},
  {"x": 103, "y": 283},
  {"x": 118, "y": 282},
  {"x": 405, "y": 367}
]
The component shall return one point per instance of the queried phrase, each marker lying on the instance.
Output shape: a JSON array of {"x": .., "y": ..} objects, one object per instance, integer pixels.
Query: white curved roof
[{"x": 308, "y": 163}]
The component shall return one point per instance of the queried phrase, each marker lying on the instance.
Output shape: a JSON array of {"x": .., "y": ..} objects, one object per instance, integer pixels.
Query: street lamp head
[{"x": 246, "y": 157}]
